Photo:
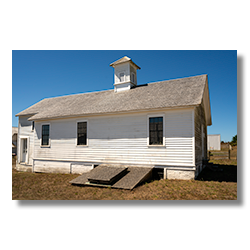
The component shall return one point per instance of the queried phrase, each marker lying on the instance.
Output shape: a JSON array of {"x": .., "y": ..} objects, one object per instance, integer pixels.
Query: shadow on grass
[{"x": 228, "y": 174}]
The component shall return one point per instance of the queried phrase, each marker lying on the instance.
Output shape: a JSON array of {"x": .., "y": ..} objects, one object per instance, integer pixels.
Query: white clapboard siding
[{"x": 120, "y": 139}]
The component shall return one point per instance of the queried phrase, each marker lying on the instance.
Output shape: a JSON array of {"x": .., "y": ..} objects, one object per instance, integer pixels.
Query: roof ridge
[
  {"x": 97, "y": 91},
  {"x": 175, "y": 79}
]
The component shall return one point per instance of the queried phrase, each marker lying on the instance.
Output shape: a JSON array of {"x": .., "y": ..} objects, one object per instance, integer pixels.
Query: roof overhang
[
  {"x": 207, "y": 106},
  {"x": 159, "y": 109},
  {"x": 23, "y": 115}
]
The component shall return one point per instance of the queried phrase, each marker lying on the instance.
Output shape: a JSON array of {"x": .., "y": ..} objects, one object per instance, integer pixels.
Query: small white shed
[{"x": 213, "y": 142}]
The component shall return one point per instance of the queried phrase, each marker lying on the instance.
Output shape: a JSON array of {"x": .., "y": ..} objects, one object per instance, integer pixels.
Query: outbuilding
[
  {"x": 161, "y": 124},
  {"x": 213, "y": 142}
]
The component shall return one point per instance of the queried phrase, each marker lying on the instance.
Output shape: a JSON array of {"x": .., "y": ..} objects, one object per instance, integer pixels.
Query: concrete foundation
[{"x": 172, "y": 174}]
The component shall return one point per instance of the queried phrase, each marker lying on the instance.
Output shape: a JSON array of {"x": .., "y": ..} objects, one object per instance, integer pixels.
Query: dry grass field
[{"x": 210, "y": 185}]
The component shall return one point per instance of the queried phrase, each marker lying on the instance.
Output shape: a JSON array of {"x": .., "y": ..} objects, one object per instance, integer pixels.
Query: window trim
[
  {"x": 163, "y": 139},
  {"x": 41, "y": 133},
  {"x": 87, "y": 139}
]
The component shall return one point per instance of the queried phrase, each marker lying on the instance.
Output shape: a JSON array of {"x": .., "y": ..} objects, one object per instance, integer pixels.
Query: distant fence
[
  {"x": 218, "y": 155},
  {"x": 226, "y": 152}
]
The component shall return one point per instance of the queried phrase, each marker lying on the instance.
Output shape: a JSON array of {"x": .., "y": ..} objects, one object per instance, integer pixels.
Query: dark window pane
[
  {"x": 82, "y": 133},
  {"x": 156, "y": 131},
  {"x": 45, "y": 134},
  {"x": 45, "y": 140}
]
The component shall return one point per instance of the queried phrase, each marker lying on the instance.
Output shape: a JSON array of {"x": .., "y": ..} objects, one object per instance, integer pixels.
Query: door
[{"x": 24, "y": 152}]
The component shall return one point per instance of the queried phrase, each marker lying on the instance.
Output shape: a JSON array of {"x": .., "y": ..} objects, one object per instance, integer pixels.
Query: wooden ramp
[
  {"x": 135, "y": 176},
  {"x": 125, "y": 177}
]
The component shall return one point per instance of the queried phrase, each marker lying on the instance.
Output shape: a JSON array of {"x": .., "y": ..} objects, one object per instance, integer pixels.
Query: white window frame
[
  {"x": 87, "y": 140},
  {"x": 163, "y": 140},
  {"x": 41, "y": 133}
]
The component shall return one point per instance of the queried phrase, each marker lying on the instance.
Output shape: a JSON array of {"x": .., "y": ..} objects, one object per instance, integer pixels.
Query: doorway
[{"x": 24, "y": 150}]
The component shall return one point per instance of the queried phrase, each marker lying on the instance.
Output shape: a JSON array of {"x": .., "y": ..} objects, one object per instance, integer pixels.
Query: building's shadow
[{"x": 226, "y": 173}]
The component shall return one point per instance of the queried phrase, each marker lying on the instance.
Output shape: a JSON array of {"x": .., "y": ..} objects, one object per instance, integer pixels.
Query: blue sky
[{"x": 41, "y": 74}]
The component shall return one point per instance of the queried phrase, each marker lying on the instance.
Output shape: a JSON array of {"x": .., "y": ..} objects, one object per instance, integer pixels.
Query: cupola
[{"x": 125, "y": 76}]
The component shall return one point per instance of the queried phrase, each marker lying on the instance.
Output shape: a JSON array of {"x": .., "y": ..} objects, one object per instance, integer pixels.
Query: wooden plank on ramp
[
  {"x": 107, "y": 175},
  {"x": 80, "y": 180},
  {"x": 134, "y": 176}
]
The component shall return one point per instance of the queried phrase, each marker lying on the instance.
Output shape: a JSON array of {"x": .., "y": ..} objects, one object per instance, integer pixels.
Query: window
[
  {"x": 33, "y": 125},
  {"x": 122, "y": 77},
  {"x": 45, "y": 135},
  {"x": 133, "y": 77},
  {"x": 156, "y": 131},
  {"x": 82, "y": 133}
]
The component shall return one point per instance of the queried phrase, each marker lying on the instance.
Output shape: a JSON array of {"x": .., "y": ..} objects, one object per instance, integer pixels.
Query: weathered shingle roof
[{"x": 172, "y": 93}]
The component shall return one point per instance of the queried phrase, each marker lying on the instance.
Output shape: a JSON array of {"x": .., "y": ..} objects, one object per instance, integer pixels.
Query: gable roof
[{"x": 181, "y": 92}]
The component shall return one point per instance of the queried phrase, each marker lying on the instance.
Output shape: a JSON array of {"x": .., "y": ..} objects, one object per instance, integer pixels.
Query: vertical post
[
  {"x": 229, "y": 148},
  {"x": 165, "y": 173}
]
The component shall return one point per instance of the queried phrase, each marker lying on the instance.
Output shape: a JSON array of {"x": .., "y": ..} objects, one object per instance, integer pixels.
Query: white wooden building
[
  {"x": 213, "y": 142},
  {"x": 161, "y": 124}
]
